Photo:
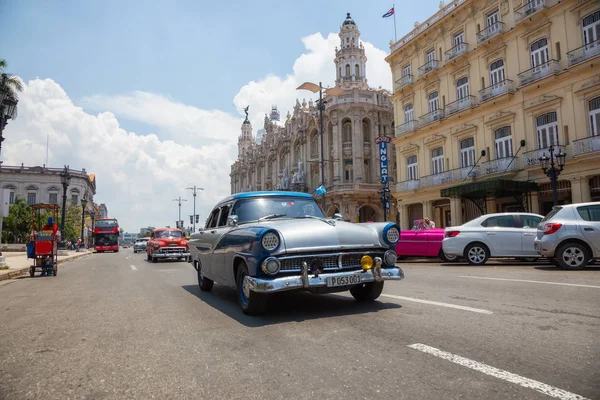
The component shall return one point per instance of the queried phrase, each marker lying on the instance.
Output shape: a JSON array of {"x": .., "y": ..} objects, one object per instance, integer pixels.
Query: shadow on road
[
  {"x": 554, "y": 268},
  {"x": 287, "y": 307}
]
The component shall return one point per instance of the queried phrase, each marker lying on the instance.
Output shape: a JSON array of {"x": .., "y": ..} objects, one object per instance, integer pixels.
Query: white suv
[{"x": 570, "y": 235}]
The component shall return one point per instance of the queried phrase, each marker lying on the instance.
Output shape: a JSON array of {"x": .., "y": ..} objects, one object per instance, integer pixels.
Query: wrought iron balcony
[
  {"x": 497, "y": 89},
  {"x": 407, "y": 186},
  {"x": 584, "y": 53},
  {"x": 404, "y": 81},
  {"x": 407, "y": 127},
  {"x": 489, "y": 31},
  {"x": 531, "y": 8},
  {"x": 541, "y": 71},
  {"x": 459, "y": 49},
  {"x": 453, "y": 175},
  {"x": 461, "y": 104},
  {"x": 500, "y": 165},
  {"x": 585, "y": 146},
  {"x": 428, "y": 67},
  {"x": 533, "y": 157},
  {"x": 430, "y": 117}
]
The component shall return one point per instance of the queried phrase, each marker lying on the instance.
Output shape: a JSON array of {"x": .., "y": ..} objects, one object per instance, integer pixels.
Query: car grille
[
  {"x": 172, "y": 250},
  {"x": 330, "y": 261}
]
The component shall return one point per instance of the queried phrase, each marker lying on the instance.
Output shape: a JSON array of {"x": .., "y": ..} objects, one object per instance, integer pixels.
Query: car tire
[
  {"x": 252, "y": 303},
  {"x": 446, "y": 257},
  {"x": 205, "y": 284},
  {"x": 477, "y": 254},
  {"x": 367, "y": 291},
  {"x": 572, "y": 255}
]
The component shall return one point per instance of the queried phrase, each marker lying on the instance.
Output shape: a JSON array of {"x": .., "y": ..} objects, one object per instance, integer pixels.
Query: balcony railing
[
  {"x": 351, "y": 78},
  {"x": 500, "y": 165},
  {"x": 453, "y": 175},
  {"x": 367, "y": 148},
  {"x": 407, "y": 127},
  {"x": 430, "y": 117},
  {"x": 428, "y": 67},
  {"x": 354, "y": 187},
  {"x": 347, "y": 148},
  {"x": 530, "y": 8},
  {"x": 497, "y": 89},
  {"x": 585, "y": 146},
  {"x": 489, "y": 31},
  {"x": 404, "y": 81},
  {"x": 536, "y": 73},
  {"x": 407, "y": 186},
  {"x": 459, "y": 49},
  {"x": 461, "y": 104},
  {"x": 533, "y": 157},
  {"x": 584, "y": 53}
]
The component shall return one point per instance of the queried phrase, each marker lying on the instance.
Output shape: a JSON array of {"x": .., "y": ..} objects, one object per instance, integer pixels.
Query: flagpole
[{"x": 395, "y": 34}]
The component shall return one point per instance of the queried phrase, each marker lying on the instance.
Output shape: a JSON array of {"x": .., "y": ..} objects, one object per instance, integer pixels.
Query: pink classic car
[{"x": 421, "y": 242}]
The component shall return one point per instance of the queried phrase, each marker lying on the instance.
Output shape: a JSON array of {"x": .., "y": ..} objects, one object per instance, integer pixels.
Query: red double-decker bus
[{"x": 106, "y": 235}]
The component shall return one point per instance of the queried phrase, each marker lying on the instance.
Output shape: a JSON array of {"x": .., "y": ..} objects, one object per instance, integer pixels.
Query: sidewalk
[{"x": 18, "y": 263}]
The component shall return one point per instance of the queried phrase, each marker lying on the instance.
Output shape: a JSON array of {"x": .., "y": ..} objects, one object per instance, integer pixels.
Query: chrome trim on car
[
  {"x": 331, "y": 261},
  {"x": 169, "y": 255}
]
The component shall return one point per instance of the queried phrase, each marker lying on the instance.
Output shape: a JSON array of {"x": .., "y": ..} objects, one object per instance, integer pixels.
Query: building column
[
  {"x": 456, "y": 211},
  {"x": 404, "y": 217},
  {"x": 428, "y": 211},
  {"x": 337, "y": 155},
  {"x": 580, "y": 190},
  {"x": 358, "y": 151},
  {"x": 491, "y": 206}
]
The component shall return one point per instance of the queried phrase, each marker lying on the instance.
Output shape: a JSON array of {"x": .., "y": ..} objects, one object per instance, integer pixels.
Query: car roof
[
  {"x": 591, "y": 203},
  {"x": 250, "y": 195}
]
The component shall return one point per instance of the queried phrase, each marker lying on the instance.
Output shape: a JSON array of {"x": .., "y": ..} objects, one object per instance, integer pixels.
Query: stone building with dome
[{"x": 288, "y": 154}]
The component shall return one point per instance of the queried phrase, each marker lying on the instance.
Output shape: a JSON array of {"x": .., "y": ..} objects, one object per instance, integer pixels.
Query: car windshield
[
  {"x": 168, "y": 234},
  {"x": 552, "y": 213},
  {"x": 290, "y": 207},
  {"x": 141, "y": 240},
  {"x": 418, "y": 224}
]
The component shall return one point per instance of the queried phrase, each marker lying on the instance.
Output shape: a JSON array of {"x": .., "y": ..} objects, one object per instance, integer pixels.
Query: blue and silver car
[{"x": 265, "y": 242}]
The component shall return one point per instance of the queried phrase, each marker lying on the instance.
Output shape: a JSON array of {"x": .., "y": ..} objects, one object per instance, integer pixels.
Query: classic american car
[
  {"x": 264, "y": 242},
  {"x": 167, "y": 243},
  {"x": 421, "y": 242}
]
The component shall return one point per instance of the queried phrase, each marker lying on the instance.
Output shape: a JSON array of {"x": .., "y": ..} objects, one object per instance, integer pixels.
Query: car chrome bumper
[
  {"x": 308, "y": 281},
  {"x": 171, "y": 255}
]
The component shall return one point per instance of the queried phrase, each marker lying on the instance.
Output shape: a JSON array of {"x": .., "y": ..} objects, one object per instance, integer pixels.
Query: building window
[
  {"x": 467, "y": 152},
  {"x": 462, "y": 88},
  {"x": 53, "y": 198},
  {"x": 437, "y": 160},
  {"x": 356, "y": 71},
  {"x": 503, "y": 142},
  {"x": 31, "y": 198},
  {"x": 11, "y": 198},
  {"x": 459, "y": 38},
  {"x": 406, "y": 70},
  {"x": 594, "y": 107},
  {"x": 430, "y": 56},
  {"x": 314, "y": 144},
  {"x": 347, "y": 69},
  {"x": 539, "y": 53},
  {"x": 366, "y": 131},
  {"x": 412, "y": 168},
  {"x": 347, "y": 131},
  {"x": 409, "y": 114},
  {"x": 367, "y": 172},
  {"x": 433, "y": 101},
  {"x": 74, "y": 199},
  {"x": 492, "y": 20},
  {"x": 497, "y": 72},
  {"x": 591, "y": 28},
  {"x": 547, "y": 130},
  {"x": 348, "y": 171}
]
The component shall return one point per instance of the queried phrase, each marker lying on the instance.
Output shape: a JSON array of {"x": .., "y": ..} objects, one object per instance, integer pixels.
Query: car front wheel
[
  {"x": 252, "y": 303},
  {"x": 204, "y": 283},
  {"x": 572, "y": 256},
  {"x": 367, "y": 291},
  {"x": 477, "y": 254}
]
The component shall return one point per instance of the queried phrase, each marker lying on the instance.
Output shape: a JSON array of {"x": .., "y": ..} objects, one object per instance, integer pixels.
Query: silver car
[
  {"x": 508, "y": 235},
  {"x": 140, "y": 245},
  {"x": 570, "y": 235},
  {"x": 260, "y": 243}
]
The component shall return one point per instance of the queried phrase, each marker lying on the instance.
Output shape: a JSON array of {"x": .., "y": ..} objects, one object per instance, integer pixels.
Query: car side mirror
[
  {"x": 232, "y": 220},
  {"x": 338, "y": 216}
]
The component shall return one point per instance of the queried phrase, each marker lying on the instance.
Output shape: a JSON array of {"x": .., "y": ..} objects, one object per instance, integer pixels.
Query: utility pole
[
  {"x": 194, "y": 189},
  {"x": 179, "y": 200}
]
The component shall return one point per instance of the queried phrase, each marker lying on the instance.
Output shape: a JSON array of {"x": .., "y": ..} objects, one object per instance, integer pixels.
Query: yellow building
[{"x": 481, "y": 92}]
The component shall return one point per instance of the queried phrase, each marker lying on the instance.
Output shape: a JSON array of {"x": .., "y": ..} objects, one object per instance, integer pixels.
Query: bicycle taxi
[{"x": 43, "y": 244}]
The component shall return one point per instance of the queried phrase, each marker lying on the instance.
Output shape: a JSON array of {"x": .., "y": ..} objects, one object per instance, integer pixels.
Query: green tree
[
  {"x": 17, "y": 224},
  {"x": 72, "y": 223},
  {"x": 12, "y": 83}
]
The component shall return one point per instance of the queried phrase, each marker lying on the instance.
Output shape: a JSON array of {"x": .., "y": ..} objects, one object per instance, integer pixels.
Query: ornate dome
[{"x": 348, "y": 20}]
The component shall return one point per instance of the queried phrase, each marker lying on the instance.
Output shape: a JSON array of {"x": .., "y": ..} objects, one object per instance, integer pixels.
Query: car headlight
[
  {"x": 271, "y": 266},
  {"x": 392, "y": 235},
  {"x": 270, "y": 241},
  {"x": 390, "y": 258},
  {"x": 156, "y": 245}
]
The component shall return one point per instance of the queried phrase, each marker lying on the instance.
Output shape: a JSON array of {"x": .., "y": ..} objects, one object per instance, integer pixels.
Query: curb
[{"x": 24, "y": 271}]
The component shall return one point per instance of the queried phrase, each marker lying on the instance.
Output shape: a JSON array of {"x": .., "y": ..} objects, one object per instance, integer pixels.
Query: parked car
[
  {"x": 265, "y": 242},
  {"x": 570, "y": 235},
  {"x": 507, "y": 235},
  {"x": 421, "y": 242},
  {"x": 140, "y": 244},
  {"x": 167, "y": 243}
]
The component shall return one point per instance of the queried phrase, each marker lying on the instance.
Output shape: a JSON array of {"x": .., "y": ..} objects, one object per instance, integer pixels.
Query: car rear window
[
  {"x": 552, "y": 213},
  {"x": 589, "y": 213}
]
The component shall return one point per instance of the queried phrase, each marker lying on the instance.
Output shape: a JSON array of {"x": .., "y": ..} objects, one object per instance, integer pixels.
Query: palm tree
[{"x": 11, "y": 84}]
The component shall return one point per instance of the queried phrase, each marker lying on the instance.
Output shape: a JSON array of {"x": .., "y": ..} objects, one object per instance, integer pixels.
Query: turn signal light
[
  {"x": 366, "y": 262},
  {"x": 450, "y": 234},
  {"x": 551, "y": 228}
]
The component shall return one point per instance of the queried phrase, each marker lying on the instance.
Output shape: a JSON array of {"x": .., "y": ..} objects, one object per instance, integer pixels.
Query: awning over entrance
[{"x": 480, "y": 192}]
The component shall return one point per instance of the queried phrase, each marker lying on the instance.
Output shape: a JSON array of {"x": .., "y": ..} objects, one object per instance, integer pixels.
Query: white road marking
[
  {"x": 133, "y": 267},
  {"x": 437, "y": 303},
  {"x": 529, "y": 281},
  {"x": 499, "y": 373}
]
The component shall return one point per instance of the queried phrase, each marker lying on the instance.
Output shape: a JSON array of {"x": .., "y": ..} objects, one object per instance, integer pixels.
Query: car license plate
[{"x": 334, "y": 281}]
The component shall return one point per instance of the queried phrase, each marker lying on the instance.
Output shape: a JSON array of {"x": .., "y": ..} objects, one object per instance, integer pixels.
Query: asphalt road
[{"x": 113, "y": 326}]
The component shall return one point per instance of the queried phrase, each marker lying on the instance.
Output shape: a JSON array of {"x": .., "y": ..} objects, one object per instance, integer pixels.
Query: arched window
[
  {"x": 467, "y": 152},
  {"x": 503, "y": 142},
  {"x": 437, "y": 160},
  {"x": 591, "y": 28},
  {"x": 433, "y": 101},
  {"x": 539, "y": 52},
  {"x": 412, "y": 169},
  {"x": 314, "y": 144},
  {"x": 497, "y": 72},
  {"x": 347, "y": 69},
  {"x": 366, "y": 130},
  {"x": 594, "y": 115},
  {"x": 356, "y": 71},
  {"x": 547, "y": 130},
  {"x": 347, "y": 131},
  {"x": 409, "y": 114},
  {"x": 348, "y": 171},
  {"x": 340, "y": 74},
  {"x": 462, "y": 88}
]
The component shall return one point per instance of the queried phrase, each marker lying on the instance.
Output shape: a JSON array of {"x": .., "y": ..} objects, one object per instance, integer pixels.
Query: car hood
[
  {"x": 168, "y": 242},
  {"x": 310, "y": 234}
]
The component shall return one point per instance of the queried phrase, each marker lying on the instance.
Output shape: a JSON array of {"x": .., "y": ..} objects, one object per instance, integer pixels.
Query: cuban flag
[
  {"x": 389, "y": 13},
  {"x": 321, "y": 190}
]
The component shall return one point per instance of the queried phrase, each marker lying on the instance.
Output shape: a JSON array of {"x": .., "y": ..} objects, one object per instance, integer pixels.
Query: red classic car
[
  {"x": 167, "y": 243},
  {"x": 421, "y": 242}
]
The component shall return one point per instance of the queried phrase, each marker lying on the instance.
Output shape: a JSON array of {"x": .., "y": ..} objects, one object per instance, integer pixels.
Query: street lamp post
[
  {"x": 179, "y": 200},
  {"x": 384, "y": 195},
  {"x": 84, "y": 202},
  {"x": 552, "y": 167},
  {"x": 65, "y": 178},
  {"x": 8, "y": 107},
  {"x": 193, "y": 189}
]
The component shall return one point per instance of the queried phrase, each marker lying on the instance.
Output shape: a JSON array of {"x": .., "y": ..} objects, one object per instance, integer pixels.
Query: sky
[{"x": 149, "y": 95}]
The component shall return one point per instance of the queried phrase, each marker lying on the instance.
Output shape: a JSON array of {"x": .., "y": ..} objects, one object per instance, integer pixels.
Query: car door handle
[
  {"x": 588, "y": 229},
  {"x": 528, "y": 234},
  {"x": 213, "y": 231}
]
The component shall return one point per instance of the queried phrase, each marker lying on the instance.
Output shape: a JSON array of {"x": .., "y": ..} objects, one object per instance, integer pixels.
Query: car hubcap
[
  {"x": 200, "y": 275},
  {"x": 244, "y": 290},
  {"x": 573, "y": 256},
  {"x": 477, "y": 255}
]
